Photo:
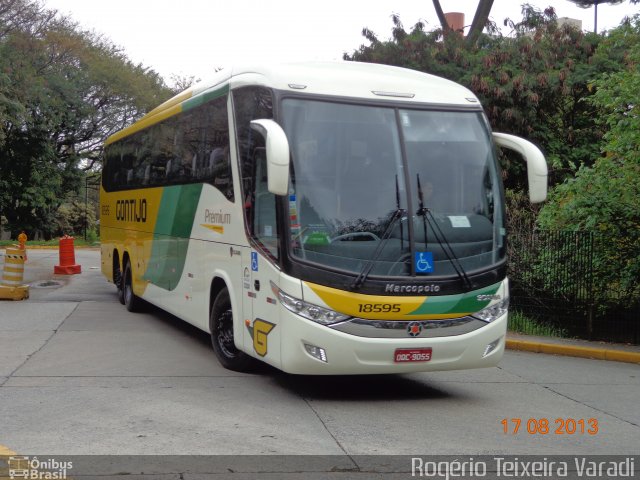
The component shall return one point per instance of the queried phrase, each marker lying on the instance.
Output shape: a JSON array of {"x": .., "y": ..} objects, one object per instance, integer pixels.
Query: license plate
[{"x": 412, "y": 355}]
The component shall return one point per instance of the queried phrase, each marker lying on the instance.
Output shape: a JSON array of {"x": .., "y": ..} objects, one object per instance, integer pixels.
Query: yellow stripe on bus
[
  {"x": 215, "y": 228},
  {"x": 388, "y": 307},
  {"x": 134, "y": 237},
  {"x": 170, "y": 103}
]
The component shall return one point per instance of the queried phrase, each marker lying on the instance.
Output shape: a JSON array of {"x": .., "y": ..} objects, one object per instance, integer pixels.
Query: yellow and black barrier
[{"x": 11, "y": 287}]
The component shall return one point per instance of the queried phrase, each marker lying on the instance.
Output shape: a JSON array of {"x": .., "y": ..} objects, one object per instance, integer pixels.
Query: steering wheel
[
  {"x": 345, "y": 236},
  {"x": 398, "y": 263}
]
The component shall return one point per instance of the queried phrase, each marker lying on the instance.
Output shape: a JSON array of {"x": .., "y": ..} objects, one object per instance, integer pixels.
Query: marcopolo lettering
[
  {"x": 131, "y": 210},
  {"x": 393, "y": 288}
]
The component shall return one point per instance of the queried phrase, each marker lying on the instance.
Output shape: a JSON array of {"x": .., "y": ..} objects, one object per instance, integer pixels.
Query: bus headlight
[
  {"x": 493, "y": 312},
  {"x": 307, "y": 310}
]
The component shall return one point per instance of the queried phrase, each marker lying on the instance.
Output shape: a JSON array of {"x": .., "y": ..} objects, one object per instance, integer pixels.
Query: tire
[
  {"x": 117, "y": 279},
  {"x": 131, "y": 300},
  {"x": 221, "y": 324}
]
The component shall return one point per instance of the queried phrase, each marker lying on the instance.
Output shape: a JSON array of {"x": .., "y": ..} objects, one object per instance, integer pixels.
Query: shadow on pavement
[
  {"x": 344, "y": 388},
  {"x": 357, "y": 388}
]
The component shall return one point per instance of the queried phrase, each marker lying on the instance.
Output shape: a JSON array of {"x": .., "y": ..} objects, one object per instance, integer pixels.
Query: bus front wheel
[{"x": 221, "y": 324}]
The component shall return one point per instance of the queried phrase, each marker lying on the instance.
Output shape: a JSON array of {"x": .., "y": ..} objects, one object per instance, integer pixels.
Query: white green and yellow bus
[{"x": 324, "y": 218}]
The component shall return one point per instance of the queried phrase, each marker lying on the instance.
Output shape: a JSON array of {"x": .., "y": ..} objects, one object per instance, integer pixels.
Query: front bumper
[{"x": 348, "y": 354}]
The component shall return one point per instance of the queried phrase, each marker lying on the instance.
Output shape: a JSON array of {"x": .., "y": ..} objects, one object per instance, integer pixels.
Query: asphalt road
[{"x": 81, "y": 375}]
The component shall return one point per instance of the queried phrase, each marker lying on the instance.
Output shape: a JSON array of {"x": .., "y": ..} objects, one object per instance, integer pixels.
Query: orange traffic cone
[
  {"x": 22, "y": 241},
  {"x": 67, "y": 258}
]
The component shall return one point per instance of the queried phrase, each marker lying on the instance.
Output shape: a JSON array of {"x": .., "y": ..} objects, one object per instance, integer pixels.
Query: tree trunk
[
  {"x": 479, "y": 21},
  {"x": 441, "y": 17}
]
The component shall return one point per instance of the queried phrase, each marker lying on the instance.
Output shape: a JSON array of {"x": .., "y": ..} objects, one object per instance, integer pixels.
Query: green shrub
[{"x": 520, "y": 323}]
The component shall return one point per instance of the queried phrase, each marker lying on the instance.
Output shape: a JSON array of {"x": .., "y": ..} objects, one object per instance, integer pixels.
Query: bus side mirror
[
  {"x": 277, "y": 147},
  {"x": 536, "y": 164}
]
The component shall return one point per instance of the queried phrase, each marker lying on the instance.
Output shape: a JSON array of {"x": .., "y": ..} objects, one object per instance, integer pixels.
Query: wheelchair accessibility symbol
[
  {"x": 254, "y": 261},
  {"x": 423, "y": 262}
]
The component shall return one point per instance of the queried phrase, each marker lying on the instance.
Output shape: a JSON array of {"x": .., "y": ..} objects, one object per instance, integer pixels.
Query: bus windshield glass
[{"x": 357, "y": 169}]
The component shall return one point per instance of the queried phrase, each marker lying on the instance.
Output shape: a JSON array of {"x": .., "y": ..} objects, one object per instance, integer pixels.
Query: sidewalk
[{"x": 574, "y": 348}]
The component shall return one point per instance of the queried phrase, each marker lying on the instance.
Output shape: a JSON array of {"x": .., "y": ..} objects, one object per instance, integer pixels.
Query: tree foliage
[
  {"x": 62, "y": 92},
  {"x": 75, "y": 217},
  {"x": 603, "y": 198},
  {"x": 179, "y": 83}
]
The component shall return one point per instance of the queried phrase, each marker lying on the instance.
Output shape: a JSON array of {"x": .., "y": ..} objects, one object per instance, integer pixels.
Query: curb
[
  {"x": 56, "y": 247},
  {"x": 573, "y": 351}
]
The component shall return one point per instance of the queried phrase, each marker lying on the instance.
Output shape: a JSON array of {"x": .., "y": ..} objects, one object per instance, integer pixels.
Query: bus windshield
[{"x": 373, "y": 187}]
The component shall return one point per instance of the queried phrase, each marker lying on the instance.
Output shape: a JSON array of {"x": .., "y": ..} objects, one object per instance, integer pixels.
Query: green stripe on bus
[
  {"x": 204, "y": 98},
  {"x": 462, "y": 303},
  {"x": 171, "y": 236}
]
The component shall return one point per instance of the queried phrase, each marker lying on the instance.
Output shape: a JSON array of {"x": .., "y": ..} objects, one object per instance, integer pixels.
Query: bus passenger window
[{"x": 220, "y": 167}]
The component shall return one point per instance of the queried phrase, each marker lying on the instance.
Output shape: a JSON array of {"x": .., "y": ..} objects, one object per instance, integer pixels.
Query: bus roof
[{"x": 340, "y": 79}]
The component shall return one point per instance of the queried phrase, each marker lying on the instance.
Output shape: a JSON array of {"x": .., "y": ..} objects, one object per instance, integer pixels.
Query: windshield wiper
[
  {"x": 368, "y": 266},
  {"x": 422, "y": 211},
  {"x": 398, "y": 208},
  {"x": 427, "y": 217}
]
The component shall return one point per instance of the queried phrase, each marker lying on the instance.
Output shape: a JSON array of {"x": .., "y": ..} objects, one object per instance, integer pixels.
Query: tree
[
  {"x": 533, "y": 85},
  {"x": 62, "y": 92},
  {"x": 594, "y": 4},
  {"x": 75, "y": 217},
  {"x": 181, "y": 82},
  {"x": 603, "y": 198},
  {"x": 479, "y": 21}
]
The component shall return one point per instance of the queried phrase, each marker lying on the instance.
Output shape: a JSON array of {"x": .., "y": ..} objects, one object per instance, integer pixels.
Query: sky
[{"x": 194, "y": 37}]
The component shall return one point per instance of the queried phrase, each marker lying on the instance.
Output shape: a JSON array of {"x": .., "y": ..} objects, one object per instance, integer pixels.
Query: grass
[
  {"x": 520, "y": 323},
  {"x": 78, "y": 242}
]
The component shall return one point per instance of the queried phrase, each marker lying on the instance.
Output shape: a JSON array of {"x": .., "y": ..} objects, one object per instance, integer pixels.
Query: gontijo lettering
[{"x": 131, "y": 210}]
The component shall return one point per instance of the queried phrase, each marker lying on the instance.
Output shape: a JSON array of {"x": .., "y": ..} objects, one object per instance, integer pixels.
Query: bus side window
[
  {"x": 251, "y": 103},
  {"x": 220, "y": 168},
  {"x": 217, "y": 168},
  {"x": 264, "y": 208}
]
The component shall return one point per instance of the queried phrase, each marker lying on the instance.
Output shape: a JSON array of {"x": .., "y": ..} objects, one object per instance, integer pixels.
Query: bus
[{"x": 324, "y": 218}]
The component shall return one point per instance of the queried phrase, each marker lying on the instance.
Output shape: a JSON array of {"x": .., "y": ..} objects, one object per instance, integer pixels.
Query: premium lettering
[{"x": 219, "y": 218}]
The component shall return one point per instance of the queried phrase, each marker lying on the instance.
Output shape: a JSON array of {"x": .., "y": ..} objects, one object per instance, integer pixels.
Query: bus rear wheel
[
  {"x": 131, "y": 300},
  {"x": 222, "y": 339},
  {"x": 117, "y": 279}
]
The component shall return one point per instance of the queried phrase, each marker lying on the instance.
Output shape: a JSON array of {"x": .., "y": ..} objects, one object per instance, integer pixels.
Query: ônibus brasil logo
[{"x": 35, "y": 469}]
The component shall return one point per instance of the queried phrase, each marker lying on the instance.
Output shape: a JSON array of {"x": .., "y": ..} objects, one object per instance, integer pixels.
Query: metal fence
[{"x": 562, "y": 279}]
